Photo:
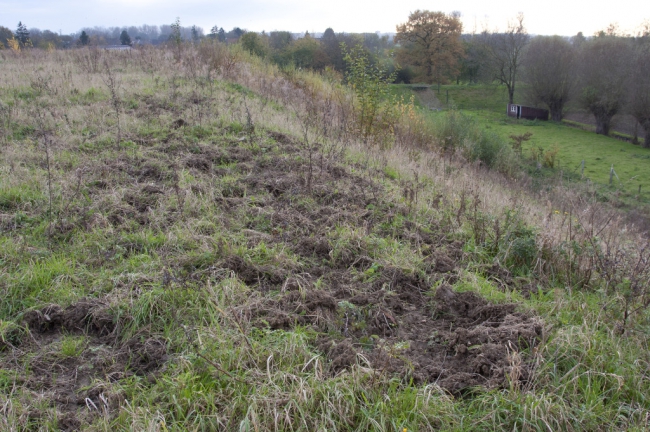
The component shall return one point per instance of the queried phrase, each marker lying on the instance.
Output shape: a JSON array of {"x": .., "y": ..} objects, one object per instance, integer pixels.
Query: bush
[
  {"x": 521, "y": 249},
  {"x": 457, "y": 131},
  {"x": 375, "y": 109},
  {"x": 404, "y": 75}
]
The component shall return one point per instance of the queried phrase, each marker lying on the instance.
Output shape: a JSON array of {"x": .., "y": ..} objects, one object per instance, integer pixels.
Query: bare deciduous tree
[
  {"x": 549, "y": 69},
  {"x": 603, "y": 70},
  {"x": 505, "y": 53},
  {"x": 639, "y": 85}
]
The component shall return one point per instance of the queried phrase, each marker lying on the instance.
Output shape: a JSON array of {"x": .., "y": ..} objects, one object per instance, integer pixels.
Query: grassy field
[
  {"x": 196, "y": 240},
  {"x": 487, "y": 104},
  {"x": 631, "y": 163}
]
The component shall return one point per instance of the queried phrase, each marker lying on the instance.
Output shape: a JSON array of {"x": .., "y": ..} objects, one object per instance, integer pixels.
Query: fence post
[
  {"x": 611, "y": 174},
  {"x": 582, "y": 169}
]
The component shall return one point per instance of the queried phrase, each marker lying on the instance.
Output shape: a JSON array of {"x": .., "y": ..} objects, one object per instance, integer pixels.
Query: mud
[
  {"x": 455, "y": 340},
  {"x": 77, "y": 382},
  {"x": 255, "y": 274},
  {"x": 375, "y": 315}
]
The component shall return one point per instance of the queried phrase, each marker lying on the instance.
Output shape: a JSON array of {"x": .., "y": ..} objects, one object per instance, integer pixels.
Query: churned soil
[
  {"x": 405, "y": 321},
  {"x": 78, "y": 382},
  {"x": 369, "y": 313},
  {"x": 454, "y": 339}
]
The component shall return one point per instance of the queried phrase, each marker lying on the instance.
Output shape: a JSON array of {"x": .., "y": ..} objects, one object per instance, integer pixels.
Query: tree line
[
  {"x": 100, "y": 36},
  {"x": 605, "y": 74}
]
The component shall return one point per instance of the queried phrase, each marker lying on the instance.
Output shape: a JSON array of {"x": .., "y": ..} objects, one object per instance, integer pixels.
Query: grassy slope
[{"x": 187, "y": 259}]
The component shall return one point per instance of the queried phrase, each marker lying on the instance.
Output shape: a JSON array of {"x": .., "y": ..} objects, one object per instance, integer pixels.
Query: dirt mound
[
  {"x": 456, "y": 340},
  {"x": 144, "y": 199},
  {"x": 370, "y": 312},
  {"x": 85, "y": 316},
  {"x": 251, "y": 273},
  {"x": 296, "y": 308},
  {"x": 69, "y": 356}
]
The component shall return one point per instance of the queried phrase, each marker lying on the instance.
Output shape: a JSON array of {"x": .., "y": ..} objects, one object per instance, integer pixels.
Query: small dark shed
[{"x": 529, "y": 113}]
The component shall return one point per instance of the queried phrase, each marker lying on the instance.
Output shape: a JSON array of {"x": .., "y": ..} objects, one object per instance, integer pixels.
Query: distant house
[{"x": 528, "y": 113}]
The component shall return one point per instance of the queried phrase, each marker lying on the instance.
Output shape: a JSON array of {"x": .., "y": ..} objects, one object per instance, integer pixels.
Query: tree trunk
[
  {"x": 603, "y": 118},
  {"x": 645, "y": 124},
  {"x": 557, "y": 111},
  {"x": 556, "y": 115},
  {"x": 646, "y": 141},
  {"x": 603, "y": 122},
  {"x": 511, "y": 93}
]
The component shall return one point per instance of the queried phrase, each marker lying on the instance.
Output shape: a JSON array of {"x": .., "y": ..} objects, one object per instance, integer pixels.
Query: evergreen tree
[
  {"x": 22, "y": 35},
  {"x": 176, "y": 39},
  {"x": 235, "y": 33},
  {"x": 217, "y": 33},
  {"x": 195, "y": 34},
  {"x": 332, "y": 46},
  {"x": 175, "y": 35},
  {"x": 84, "y": 39},
  {"x": 125, "y": 39}
]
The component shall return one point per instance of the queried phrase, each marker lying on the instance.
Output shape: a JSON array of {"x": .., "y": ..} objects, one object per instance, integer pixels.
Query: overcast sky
[{"x": 566, "y": 17}]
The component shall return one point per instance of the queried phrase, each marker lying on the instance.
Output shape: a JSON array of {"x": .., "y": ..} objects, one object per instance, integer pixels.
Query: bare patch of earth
[
  {"x": 456, "y": 340},
  {"x": 68, "y": 357}
]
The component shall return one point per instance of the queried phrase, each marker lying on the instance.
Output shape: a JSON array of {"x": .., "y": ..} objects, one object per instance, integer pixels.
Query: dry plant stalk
[{"x": 113, "y": 84}]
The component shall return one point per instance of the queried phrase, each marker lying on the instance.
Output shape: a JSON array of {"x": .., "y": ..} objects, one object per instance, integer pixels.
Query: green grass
[
  {"x": 406, "y": 92},
  {"x": 15, "y": 197},
  {"x": 72, "y": 346},
  {"x": 474, "y": 97},
  {"x": 631, "y": 163},
  {"x": 487, "y": 105}
]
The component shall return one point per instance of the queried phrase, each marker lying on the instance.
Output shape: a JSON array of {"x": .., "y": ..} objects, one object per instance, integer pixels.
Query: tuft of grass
[
  {"x": 72, "y": 346},
  {"x": 16, "y": 197}
]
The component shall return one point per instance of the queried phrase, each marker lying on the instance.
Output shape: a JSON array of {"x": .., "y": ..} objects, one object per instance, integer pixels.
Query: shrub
[
  {"x": 521, "y": 249},
  {"x": 374, "y": 108},
  {"x": 457, "y": 131},
  {"x": 547, "y": 158},
  {"x": 518, "y": 140}
]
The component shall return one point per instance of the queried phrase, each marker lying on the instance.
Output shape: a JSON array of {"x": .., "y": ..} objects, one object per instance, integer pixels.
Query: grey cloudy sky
[{"x": 549, "y": 17}]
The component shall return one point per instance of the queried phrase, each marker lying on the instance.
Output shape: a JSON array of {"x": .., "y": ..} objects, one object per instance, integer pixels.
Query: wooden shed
[{"x": 528, "y": 113}]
